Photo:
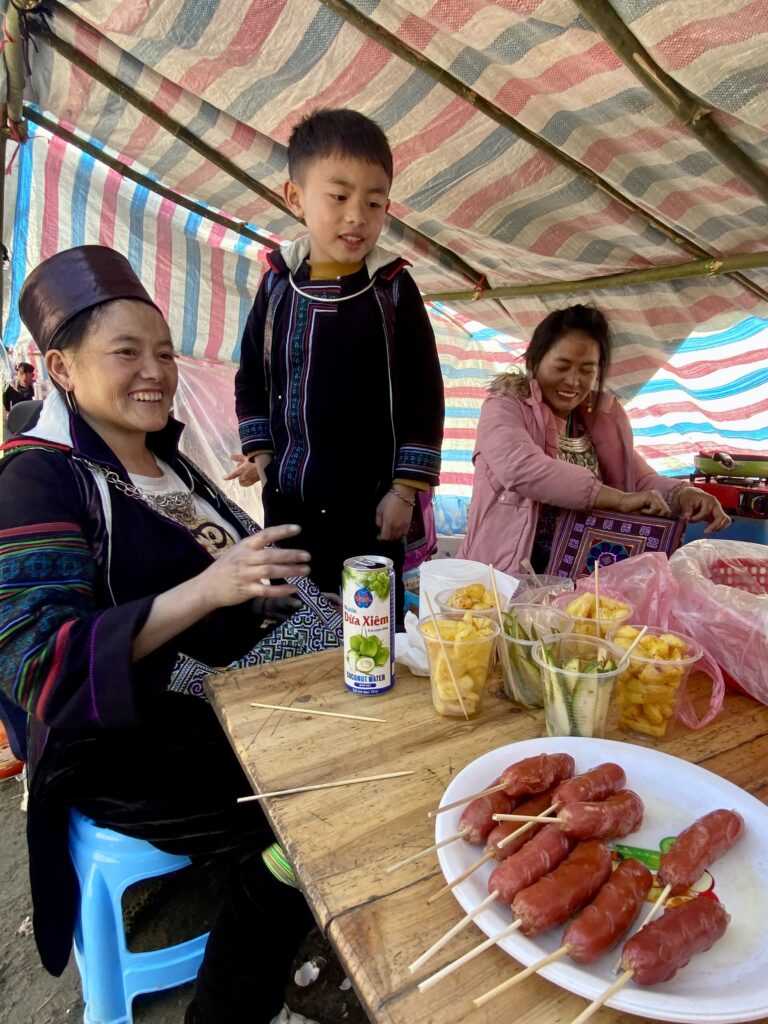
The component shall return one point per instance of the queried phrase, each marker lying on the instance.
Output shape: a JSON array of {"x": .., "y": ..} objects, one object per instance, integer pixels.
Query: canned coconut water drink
[{"x": 368, "y": 599}]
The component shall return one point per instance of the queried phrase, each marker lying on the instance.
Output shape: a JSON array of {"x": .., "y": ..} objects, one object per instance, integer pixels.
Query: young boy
[{"x": 339, "y": 394}]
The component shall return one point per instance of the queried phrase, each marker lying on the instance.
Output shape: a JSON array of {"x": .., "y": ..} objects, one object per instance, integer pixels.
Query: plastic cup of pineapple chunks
[
  {"x": 578, "y": 674},
  {"x": 474, "y": 597},
  {"x": 614, "y": 611},
  {"x": 651, "y": 685},
  {"x": 524, "y": 624},
  {"x": 464, "y": 656}
]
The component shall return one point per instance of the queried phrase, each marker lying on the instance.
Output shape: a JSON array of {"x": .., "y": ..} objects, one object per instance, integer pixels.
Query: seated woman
[
  {"x": 553, "y": 439},
  {"x": 118, "y": 559}
]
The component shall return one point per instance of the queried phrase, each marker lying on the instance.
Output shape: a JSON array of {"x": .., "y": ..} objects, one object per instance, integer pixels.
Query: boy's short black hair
[
  {"x": 25, "y": 367},
  {"x": 339, "y": 132}
]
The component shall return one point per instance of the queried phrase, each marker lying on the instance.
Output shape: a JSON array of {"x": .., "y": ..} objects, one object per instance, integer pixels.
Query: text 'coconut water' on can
[{"x": 368, "y": 599}]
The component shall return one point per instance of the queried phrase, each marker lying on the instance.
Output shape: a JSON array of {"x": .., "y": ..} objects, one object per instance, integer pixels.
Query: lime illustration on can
[{"x": 368, "y": 599}]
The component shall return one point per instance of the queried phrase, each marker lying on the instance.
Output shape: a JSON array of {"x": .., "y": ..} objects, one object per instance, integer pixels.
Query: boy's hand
[
  {"x": 393, "y": 515},
  {"x": 247, "y": 472}
]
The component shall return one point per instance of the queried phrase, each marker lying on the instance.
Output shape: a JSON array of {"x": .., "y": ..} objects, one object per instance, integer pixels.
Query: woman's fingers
[{"x": 273, "y": 535}]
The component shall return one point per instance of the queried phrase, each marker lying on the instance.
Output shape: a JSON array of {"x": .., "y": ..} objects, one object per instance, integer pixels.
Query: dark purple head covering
[{"x": 71, "y": 282}]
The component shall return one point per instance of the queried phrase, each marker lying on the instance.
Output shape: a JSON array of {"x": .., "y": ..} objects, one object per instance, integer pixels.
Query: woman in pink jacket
[{"x": 552, "y": 438}]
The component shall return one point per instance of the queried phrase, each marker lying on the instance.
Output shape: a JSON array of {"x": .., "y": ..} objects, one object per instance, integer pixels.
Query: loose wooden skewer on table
[
  {"x": 323, "y": 785},
  {"x": 315, "y": 711},
  {"x": 439, "y": 638}
]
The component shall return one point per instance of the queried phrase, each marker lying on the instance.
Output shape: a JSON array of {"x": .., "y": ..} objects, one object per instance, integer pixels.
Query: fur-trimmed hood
[{"x": 512, "y": 382}]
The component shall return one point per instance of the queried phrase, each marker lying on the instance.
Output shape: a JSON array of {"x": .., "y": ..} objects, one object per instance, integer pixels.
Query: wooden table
[{"x": 341, "y": 840}]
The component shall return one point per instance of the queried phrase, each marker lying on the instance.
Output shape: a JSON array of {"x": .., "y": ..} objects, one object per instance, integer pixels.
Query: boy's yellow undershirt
[{"x": 327, "y": 272}]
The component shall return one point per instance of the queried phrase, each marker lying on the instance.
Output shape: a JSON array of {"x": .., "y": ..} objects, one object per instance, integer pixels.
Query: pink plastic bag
[
  {"x": 415, "y": 555},
  {"x": 647, "y": 583},
  {"x": 723, "y": 602}
]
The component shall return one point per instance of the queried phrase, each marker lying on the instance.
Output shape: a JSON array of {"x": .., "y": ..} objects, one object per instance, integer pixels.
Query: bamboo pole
[
  {"x": 710, "y": 267},
  {"x": 345, "y": 10},
  {"x": 141, "y": 179},
  {"x": 686, "y": 107},
  {"x": 135, "y": 99}
]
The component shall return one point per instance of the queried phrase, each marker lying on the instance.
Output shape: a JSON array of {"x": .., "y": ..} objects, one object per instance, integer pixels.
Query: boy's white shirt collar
[{"x": 294, "y": 254}]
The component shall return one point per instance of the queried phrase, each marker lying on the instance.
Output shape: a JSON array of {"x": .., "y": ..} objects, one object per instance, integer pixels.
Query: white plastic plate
[{"x": 727, "y": 983}]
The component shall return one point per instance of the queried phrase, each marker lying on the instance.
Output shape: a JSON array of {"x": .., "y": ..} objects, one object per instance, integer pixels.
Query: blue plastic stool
[{"x": 106, "y": 863}]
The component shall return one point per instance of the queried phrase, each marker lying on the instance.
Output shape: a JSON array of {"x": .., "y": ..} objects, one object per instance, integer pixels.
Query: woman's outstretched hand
[{"x": 238, "y": 574}]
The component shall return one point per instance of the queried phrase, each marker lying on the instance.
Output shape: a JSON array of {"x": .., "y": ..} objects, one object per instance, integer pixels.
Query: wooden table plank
[{"x": 342, "y": 840}]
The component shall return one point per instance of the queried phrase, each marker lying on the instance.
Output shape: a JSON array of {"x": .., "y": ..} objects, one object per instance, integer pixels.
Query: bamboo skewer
[
  {"x": 597, "y": 600},
  {"x": 444, "y": 652},
  {"x": 323, "y": 785},
  {"x": 522, "y": 975},
  {"x": 488, "y": 855},
  {"x": 532, "y": 818},
  {"x": 653, "y": 911},
  {"x": 595, "y": 1005},
  {"x": 423, "y": 853},
  {"x": 502, "y": 633},
  {"x": 315, "y": 711},
  {"x": 635, "y": 642},
  {"x": 525, "y": 828},
  {"x": 476, "y": 951},
  {"x": 436, "y": 946},
  {"x": 466, "y": 799}
]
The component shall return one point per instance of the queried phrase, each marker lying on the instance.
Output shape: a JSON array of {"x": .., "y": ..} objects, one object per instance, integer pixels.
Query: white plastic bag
[
  {"x": 723, "y": 603},
  {"x": 446, "y": 573}
]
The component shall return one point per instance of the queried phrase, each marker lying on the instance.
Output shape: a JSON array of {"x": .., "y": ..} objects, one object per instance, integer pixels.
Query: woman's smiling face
[
  {"x": 123, "y": 374},
  {"x": 568, "y": 371}
]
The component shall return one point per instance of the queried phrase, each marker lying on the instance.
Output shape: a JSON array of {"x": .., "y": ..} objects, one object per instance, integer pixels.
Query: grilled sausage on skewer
[
  {"x": 559, "y": 894},
  {"x": 610, "y": 914},
  {"x": 607, "y": 819},
  {"x": 697, "y": 847},
  {"x": 660, "y": 949},
  {"x": 598, "y": 783},
  {"x": 543, "y": 853}
]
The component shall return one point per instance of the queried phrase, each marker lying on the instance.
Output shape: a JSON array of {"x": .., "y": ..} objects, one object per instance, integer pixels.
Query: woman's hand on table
[{"x": 697, "y": 505}]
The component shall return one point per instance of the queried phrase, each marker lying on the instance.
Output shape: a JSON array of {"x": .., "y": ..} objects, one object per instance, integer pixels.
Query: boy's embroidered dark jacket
[
  {"x": 77, "y": 580},
  {"x": 346, "y": 394}
]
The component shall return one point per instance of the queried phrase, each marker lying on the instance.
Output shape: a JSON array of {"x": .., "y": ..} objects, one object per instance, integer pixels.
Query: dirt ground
[{"x": 30, "y": 996}]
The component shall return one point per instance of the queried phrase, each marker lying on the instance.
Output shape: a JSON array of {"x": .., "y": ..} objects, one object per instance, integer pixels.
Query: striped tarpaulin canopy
[{"x": 526, "y": 151}]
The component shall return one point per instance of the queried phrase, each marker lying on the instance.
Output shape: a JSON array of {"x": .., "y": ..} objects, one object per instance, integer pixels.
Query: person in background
[
  {"x": 339, "y": 394},
  {"x": 120, "y": 564},
  {"x": 553, "y": 438},
  {"x": 22, "y": 389}
]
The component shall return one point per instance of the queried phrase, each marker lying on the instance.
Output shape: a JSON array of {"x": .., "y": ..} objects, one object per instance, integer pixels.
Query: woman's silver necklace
[{"x": 178, "y": 505}]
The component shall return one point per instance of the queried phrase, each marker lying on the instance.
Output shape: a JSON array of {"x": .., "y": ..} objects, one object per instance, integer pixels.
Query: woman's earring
[{"x": 69, "y": 397}]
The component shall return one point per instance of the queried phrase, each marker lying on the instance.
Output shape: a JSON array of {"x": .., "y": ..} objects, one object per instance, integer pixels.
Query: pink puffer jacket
[{"x": 517, "y": 470}]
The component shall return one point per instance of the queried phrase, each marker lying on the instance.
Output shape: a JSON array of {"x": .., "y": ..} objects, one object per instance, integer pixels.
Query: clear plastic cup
[
  {"x": 539, "y": 589},
  {"x": 524, "y": 624},
  {"x": 455, "y": 601},
  {"x": 651, "y": 685},
  {"x": 588, "y": 625},
  {"x": 462, "y": 660},
  {"x": 578, "y": 674}
]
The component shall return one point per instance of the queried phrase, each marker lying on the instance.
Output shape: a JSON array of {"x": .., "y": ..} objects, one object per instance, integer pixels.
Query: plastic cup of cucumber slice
[
  {"x": 460, "y": 659},
  {"x": 578, "y": 674},
  {"x": 524, "y": 625}
]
